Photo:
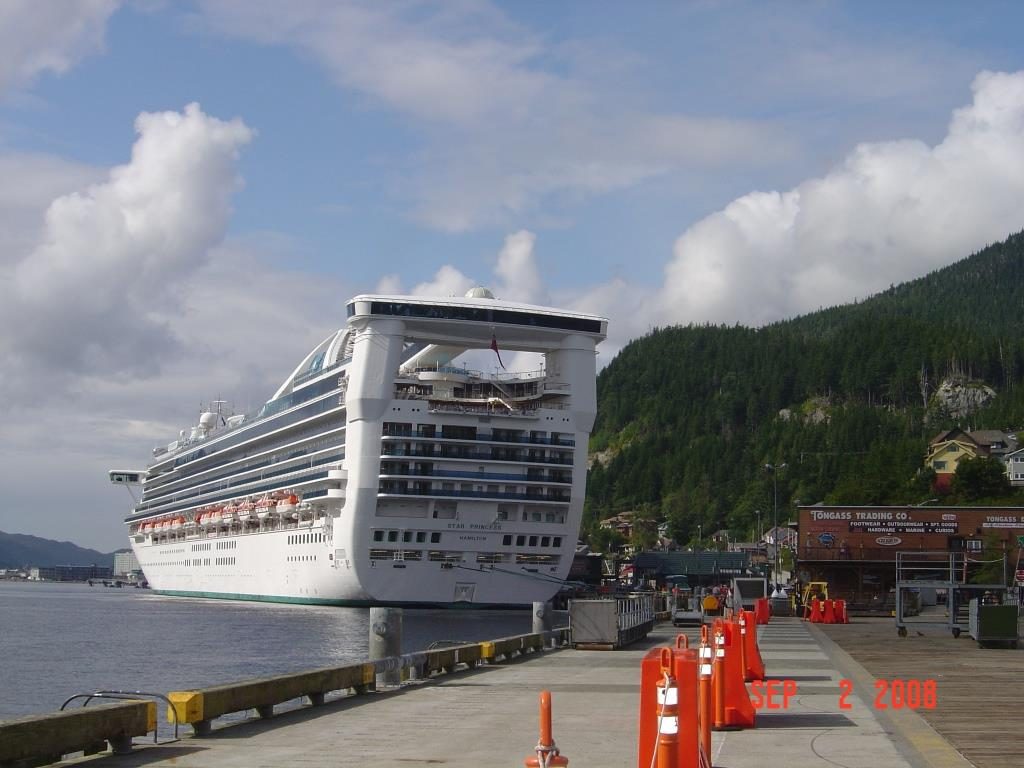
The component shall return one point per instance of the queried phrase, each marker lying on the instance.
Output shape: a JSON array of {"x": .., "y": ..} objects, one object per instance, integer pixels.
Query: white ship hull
[{"x": 419, "y": 485}]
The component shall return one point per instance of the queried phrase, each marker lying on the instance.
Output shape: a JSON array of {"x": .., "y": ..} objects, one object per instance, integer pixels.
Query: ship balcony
[
  {"x": 391, "y": 489},
  {"x": 551, "y": 479},
  {"x": 337, "y": 474},
  {"x": 512, "y": 457},
  {"x": 391, "y": 433}
]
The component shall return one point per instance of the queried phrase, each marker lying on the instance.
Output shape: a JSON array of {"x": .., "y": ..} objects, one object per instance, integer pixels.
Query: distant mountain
[
  {"x": 846, "y": 398},
  {"x": 18, "y": 550}
]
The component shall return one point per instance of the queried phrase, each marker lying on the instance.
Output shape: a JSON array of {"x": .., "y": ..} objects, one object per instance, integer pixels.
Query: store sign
[
  {"x": 889, "y": 541},
  {"x": 902, "y": 526}
]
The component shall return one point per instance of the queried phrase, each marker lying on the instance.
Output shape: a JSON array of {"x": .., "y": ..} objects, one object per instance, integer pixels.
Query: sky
[{"x": 191, "y": 191}]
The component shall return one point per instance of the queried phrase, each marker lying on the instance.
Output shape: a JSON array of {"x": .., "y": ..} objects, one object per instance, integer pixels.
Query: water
[{"x": 60, "y": 639}]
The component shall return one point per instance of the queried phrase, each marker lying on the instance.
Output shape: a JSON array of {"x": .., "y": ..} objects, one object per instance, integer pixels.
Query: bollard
[
  {"x": 386, "y": 641},
  {"x": 542, "y": 616},
  {"x": 546, "y": 753}
]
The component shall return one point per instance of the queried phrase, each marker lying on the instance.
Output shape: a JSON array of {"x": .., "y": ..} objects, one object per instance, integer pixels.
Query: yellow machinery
[{"x": 812, "y": 589}]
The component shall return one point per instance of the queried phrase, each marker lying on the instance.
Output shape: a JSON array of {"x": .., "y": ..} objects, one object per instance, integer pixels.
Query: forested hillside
[
  {"x": 19, "y": 550},
  {"x": 844, "y": 397}
]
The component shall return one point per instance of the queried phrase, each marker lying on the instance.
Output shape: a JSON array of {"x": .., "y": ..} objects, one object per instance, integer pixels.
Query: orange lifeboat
[
  {"x": 244, "y": 510},
  {"x": 265, "y": 506},
  {"x": 286, "y": 506},
  {"x": 229, "y": 514}
]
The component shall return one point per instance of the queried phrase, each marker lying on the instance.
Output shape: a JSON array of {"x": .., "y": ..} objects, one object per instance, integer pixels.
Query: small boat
[
  {"x": 264, "y": 507},
  {"x": 286, "y": 506},
  {"x": 245, "y": 510}
]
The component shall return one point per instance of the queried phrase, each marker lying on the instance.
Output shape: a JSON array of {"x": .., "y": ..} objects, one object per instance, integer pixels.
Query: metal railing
[{"x": 128, "y": 696}]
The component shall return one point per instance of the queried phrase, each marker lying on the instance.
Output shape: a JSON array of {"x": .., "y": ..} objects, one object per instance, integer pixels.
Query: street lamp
[
  {"x": 698, "y": 535},
  {"x": 774, "y": 469},
  {"x": 760, "y": 533}
]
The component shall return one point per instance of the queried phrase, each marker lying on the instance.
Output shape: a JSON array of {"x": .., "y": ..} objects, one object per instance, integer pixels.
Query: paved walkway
[{"x": 488, "y": 717}]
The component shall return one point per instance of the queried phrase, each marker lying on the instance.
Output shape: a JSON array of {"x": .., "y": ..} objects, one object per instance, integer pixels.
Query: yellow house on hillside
[{"x": 949, "y": 448}]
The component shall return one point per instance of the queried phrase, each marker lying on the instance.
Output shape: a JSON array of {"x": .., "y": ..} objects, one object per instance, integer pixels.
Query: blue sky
[{"x": 653, "y": 162}]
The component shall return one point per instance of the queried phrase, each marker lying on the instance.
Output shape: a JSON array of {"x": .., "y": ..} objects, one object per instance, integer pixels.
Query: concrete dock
[{"x": 488, "y": 717}]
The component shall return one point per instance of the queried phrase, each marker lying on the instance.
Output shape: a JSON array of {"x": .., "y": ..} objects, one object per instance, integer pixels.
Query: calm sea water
[{"x": 60, "y": 639}]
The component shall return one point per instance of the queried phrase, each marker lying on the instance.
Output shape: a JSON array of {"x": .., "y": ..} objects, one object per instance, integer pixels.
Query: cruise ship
[{"x": 385, "y": 470}]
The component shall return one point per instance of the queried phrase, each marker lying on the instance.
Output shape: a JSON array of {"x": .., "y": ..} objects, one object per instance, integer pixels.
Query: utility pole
[{"x": 774, "y": 469}]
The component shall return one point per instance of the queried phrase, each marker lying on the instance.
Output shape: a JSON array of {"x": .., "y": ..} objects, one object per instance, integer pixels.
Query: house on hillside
[
  {"x": 623, "y": 523},
  {"x": 1015, "y": 467},
  {"x": 947, "y": 449}
]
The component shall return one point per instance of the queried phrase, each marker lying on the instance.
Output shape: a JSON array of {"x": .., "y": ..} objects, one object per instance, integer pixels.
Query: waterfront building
[{"x": 854, "y": 548}]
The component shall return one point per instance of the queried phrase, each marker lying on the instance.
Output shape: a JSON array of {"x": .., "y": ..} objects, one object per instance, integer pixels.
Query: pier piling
[{"x": 386, "y": 640}]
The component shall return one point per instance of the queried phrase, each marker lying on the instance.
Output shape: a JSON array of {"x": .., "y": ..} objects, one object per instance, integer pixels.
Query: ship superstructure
[{"x": 383, "y": 470}]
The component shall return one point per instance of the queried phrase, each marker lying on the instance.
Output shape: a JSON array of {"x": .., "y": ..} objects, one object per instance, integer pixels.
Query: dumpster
[{"x": 993, "y": 624}]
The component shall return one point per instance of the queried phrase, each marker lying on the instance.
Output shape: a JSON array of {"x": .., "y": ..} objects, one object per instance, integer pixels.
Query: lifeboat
[
  {"x": 218, "y": 513},
  {"x": 228, "y": 514},
  {"x": 286, "y": 506},
  {"x": 245, "y": 510},
  {"x": 144, "y": 528},
  {"x": 264, "y": 506},
  {"x": 176, "y": 523},
  {"x": 305, "y": 513}
]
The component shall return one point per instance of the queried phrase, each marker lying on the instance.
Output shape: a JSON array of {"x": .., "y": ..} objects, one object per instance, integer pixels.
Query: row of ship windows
[
  {"x": 306, "y": 538},
  {"x": 234, "y": 481},
  {"x": 195, "y": 562},
  {"x": 458, "y": 557},
  {"x": 301, "y": 558},
  {"x": 294, "y": 453},
  {"x": 420, "y": 537},
  {"x": 407, "y": 536},
  {"x": 256, "y": 430},
  {"x": 532, "y": 541}
]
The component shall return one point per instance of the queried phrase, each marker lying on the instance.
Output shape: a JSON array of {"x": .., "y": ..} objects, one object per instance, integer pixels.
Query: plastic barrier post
[
  {"x": 545, "y": 753},
  {"x": 733, "y": 709},
  {"x": 829, "y": 616},
  {"x": 669, "y": 716},
  {"x": 705, "y": 713},
  {"x": 816, "y": 616},
  {"x": 841, "y": 617},
  {"x": 753, "y": 665},
  {"x": 761, "y": 611}
]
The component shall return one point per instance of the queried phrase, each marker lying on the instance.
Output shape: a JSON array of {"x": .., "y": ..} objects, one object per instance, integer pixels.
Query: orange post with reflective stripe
[
  {"x": 545, "y": 753},
  {"x": 753, "y": 665},
  {"x": 733, "y": 709},
  {"x": 704, "y": 705}
]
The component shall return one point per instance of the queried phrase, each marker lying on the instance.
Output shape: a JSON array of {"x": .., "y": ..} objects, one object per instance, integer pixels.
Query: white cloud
[
  {"x": 38, "y": 37},
  {"x": 114, "y": 256},
  {"x": 890, "y": 212},
  {"x": 31, "y": 183},
  {"x": 505, "y": 133}
]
